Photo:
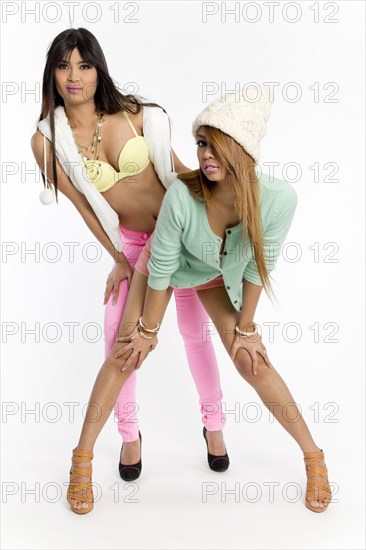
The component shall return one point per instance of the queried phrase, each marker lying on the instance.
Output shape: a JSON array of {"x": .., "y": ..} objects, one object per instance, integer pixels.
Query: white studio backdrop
[{"x": 181, "y": 55}]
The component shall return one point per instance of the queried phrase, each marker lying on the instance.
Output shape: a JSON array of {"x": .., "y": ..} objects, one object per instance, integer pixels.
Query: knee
[
  {"x": 111, "y": 364},
  {"x": 114, "y": 364},
  {"x": 244, "y": 365}
]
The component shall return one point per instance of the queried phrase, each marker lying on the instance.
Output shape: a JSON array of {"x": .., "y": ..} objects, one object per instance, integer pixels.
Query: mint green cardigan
[{"x": 185, "y": 252}]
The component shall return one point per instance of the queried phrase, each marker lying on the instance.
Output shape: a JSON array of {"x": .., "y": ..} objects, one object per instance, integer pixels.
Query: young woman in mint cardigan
[{"x": 220, "y": 230}]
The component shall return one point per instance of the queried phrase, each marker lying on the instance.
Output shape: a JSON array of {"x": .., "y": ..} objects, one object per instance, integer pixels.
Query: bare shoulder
[
  {"x": 64, "y": 184},
  {"x": 137, "y": 119},
  {"x": 37, "y": 146},
  {"x": 37, "y": 142}
]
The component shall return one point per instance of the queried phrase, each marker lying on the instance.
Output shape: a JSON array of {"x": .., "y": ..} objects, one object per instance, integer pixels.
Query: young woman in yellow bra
[{"x": 105, "y": 129}]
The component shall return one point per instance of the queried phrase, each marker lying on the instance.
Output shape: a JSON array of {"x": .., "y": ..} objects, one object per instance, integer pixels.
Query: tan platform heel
[
  {"x": 316, "y": 489},
  {"x": 80, "y": 491}
]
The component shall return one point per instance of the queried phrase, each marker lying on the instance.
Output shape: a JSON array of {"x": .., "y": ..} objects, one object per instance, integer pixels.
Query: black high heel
[
  {"x": 130, "y": 472},
  {"x": 216, "y": 463}
]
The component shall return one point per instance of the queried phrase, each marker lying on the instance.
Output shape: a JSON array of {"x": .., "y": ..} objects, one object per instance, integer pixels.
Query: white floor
[
  {"x": 167, "y": 509},
  {"x": 178, "y": 502}
]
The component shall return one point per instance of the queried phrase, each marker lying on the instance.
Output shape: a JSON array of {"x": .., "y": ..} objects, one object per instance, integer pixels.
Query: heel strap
[
  {"x": 313, "y": 457},
  {"x": 312, "y": 464},
  {"x": 81, "y": 455}
]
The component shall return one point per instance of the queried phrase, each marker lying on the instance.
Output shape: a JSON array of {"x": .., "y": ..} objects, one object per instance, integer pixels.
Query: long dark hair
[{"x": 108, "y": 99}]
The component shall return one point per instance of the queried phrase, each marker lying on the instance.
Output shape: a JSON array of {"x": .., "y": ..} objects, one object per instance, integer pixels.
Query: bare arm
[
  {"x": 251, "y": 295},
  {"x": 78, "y": 199},
  {"x": 253, "y": 344},
  {"x": 156, "y": 302},
  {"x": 121, "y": 269}
]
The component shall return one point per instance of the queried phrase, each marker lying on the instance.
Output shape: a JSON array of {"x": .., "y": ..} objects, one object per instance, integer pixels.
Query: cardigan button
[
  {"x": 228, "y": 287},
  {"x": 225, "y": 253},
  {"x": 229, "y": 231}
]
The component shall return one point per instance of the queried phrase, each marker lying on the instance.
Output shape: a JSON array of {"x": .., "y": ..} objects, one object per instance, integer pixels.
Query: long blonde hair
[{"x": 240, "y": 167}]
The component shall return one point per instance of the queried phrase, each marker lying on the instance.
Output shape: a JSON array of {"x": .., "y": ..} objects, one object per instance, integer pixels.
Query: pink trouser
[{"x": 200, "y": 353}]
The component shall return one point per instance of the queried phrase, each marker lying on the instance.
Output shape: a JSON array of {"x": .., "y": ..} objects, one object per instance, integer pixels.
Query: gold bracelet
[
  {"x": 247, "y": 334},
  {"x": 154, "y": 330},
  {"x": 144, "y": 335}
]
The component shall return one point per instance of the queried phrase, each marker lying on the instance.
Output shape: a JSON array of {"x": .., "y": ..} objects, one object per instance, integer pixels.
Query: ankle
[
  {"x": 135, "y": 443},
  {"x": 84, "y": 448},
  {"x": 311, "y": 449},
  {"x": 214, "y": 435}
]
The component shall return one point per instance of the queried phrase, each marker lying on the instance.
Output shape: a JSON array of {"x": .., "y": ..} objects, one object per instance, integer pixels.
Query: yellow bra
[{"x": 133, "y": 159}]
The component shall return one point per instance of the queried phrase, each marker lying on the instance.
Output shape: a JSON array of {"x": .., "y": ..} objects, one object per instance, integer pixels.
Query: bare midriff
[{"x": 137, "y": 200}]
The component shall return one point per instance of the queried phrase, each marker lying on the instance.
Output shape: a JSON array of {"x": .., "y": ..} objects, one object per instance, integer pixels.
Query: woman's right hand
[
  {"x": 120, "y": 272},
  {"x": 138, "y": 347}
]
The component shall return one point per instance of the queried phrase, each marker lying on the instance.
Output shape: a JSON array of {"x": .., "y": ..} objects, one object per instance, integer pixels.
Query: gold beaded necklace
[{"x": 96, "y": 145}]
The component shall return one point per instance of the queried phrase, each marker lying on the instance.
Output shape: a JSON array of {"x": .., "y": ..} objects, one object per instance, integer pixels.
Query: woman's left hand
[
  {"x": 120, "y": 272},
  {"x": 253, "y": 346},
  {"x": 140, "y": 346}
]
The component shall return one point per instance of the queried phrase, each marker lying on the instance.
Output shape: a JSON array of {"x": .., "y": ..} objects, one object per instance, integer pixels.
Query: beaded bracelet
[
  {"x": 154, "y": 330},
  {"x": 246, "y": 334}
]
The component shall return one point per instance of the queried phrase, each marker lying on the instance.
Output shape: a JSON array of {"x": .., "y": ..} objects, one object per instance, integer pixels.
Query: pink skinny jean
[{"x": 200, "y": 354}]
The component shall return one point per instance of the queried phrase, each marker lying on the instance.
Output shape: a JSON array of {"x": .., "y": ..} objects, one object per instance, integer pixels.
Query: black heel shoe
[
  {"x": 130, "y": 472},
  {"x": 216, "y": 463}
]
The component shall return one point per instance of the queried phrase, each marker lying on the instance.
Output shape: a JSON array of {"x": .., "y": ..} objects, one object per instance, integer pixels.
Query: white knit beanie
[{"x": 243, "y": 116}]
